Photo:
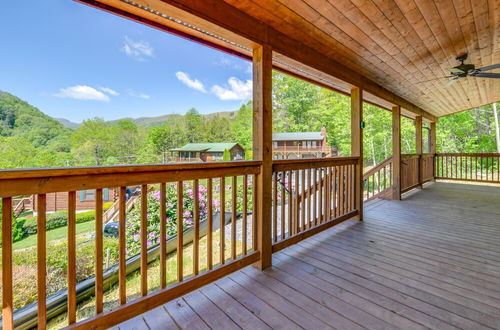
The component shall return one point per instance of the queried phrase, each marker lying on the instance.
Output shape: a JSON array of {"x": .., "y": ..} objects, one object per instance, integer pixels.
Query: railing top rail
[
  {"x": 483, "y": 154},
  {"x": 119, "y": 169},
  {"x": 377, "y": 168},
  {"x": 296, "y": 164},
  {"x": 41, "y": 181}
]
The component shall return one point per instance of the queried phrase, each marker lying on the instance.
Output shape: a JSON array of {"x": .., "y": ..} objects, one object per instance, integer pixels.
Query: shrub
[
  {"x": 133, "y": 227},
  {"x": 54, "y": 220},
  {"x": 25, "y": 262}
]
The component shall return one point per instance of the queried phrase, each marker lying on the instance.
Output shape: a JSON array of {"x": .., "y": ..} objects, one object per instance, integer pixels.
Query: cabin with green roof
[
  {"x": 293, "y": 145},
  {"x": 207, "y": 152}
]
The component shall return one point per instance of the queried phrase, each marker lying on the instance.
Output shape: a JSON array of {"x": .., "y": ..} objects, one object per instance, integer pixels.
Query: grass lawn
[
  {"x": 86, "y": 309},
  {"x": 54, "y": 234}
]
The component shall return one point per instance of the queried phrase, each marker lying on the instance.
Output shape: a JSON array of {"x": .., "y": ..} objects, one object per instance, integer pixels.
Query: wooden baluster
[
  {"x": 290, "y": 204},
  {"x": 7, "y": 303},
  {"x": 296, "y": 212},
  {"x": 303, "y": 220},
  {"x": 326, "y": 195},
  {"x": 341, "y": 187},
  {"x": 180, "y": 232},
  {"x": 41, "y": 260},
  {"x": 196, "y": 229},
  {"x": 315, "y": 193},
  {"x": 144, "y": 238},
  {"x": 163, "y": 235},
  {"x": 385, "y": 178},
  {"x": 222, "y": 216},
  {"x": 244, "y": 216},
  {"x": 321, "y": 194},
  {"x": 255, "y": 232},
  {"x": 310, "y": 189},
  {"x": 282, "y": 204},
  {"x": 98, "y": 251},
  {"x": 275, "y": 207},
  {"x": 122, "y": 270},
  {"x": 210, "y": 224},
  {"x": 476, "y": 166},
  {"x": 71, "y": 257},
  {"x": 234, "y": 202}
]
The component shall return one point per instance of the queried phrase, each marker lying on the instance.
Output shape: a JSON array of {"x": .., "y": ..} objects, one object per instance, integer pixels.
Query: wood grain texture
[{"x": 409, "y": 265}]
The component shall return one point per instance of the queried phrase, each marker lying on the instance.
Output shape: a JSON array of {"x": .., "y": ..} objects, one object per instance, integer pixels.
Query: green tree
[{"x": 91, "y": 141}]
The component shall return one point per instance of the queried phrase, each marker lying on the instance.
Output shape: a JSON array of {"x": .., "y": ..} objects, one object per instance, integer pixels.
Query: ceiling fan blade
[
  {"x": 451, "y": 82},
  {"x": 489, "y": 67},
  {"x": 421, "y": 82},
  {"x": 456, "y": 70},
  {"x": 487, "y": 75}
]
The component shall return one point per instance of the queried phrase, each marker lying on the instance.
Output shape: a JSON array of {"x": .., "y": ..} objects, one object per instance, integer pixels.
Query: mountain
[
  {"x": 19, "y": 118},
  {"x": 151, "y": 121},
  {"x": 67, "y": 123}
]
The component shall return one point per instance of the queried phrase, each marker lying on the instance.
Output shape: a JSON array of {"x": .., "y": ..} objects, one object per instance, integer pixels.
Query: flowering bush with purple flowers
[{"x": 133, "y": 227}]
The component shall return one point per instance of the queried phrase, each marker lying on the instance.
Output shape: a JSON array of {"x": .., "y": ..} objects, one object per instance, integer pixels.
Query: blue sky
[{"x": 76, "y": 62}]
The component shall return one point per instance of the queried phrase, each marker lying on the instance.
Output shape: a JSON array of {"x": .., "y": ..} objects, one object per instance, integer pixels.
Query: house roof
[
  {"x": 208, "y": 147},
  {"x": 297, "y": 136}
]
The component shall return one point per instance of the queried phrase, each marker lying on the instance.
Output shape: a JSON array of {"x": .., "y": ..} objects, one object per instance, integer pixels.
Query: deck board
[{"x": 431, "y": 260}]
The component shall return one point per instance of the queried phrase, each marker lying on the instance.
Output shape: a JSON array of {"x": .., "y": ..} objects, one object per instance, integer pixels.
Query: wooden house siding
[{"x": 59, "y": 201}]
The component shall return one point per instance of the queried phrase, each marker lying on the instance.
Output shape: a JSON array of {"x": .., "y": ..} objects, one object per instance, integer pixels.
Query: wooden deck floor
[{"x": 429, "y": 261}]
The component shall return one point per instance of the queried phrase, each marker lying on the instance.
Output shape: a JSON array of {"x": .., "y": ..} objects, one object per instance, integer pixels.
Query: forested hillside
[{"x": 29, "y": 138}]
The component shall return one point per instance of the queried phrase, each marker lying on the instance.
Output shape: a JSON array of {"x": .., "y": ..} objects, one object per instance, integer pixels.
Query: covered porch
[
  {"x": 308, "y": 243},
  {"x": 428, "y": 261}
]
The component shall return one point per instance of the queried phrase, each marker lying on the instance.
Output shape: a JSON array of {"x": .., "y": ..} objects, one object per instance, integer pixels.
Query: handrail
[
  {"x": 42, "y": 181},
  {"x": 307, "y": 163},
  {"x": 206, "y": 188},
  {"x": 310, "y": 195},
  {"x": 377, "y": 167},
  {"x": 377, "y": 180},
  {"x": 473, "y": 167}
]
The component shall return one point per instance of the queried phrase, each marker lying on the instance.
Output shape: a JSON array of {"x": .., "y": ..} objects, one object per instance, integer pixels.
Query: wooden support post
[
  {"x": 262, "y": 149},
  {"x": 357, "y": 146},
  {"x": 396, "y": 152},
  {"x": 432, "y": 148},
  {"x": 418, "y": 147}
]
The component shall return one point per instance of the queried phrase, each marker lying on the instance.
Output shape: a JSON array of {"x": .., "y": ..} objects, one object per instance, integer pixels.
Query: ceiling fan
[{"x": 468, "y": 70}]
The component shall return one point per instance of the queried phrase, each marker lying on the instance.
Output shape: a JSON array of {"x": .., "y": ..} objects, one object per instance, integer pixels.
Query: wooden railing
[
  {"x": 310, "y": 195},
  {"x": 378, "y": 180},
  {"x": 235, "y": 178},
  {"x": 478, "y": 167}
]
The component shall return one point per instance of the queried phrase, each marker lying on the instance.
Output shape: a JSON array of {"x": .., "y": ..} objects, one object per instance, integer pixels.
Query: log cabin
[
  {"x": 319, "y": 247},
  {"x": 295, "y": 145},
  {"x": 207, "y": 152},
  {"x": 85, "y": 200}
]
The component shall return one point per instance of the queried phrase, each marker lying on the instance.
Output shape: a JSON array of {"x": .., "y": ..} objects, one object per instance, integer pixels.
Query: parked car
[{"x": 111, "y": 229}]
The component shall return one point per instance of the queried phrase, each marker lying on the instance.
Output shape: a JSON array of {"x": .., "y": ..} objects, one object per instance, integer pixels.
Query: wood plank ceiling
[{"x": 398, "y": 44}]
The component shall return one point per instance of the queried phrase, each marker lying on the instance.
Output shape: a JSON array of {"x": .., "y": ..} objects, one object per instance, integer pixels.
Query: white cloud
[
  {"x": 137, "y": 50},
  {"x": 82, "y": 92},
  {"x": 236, "y": 90},
  {"x": 134, "y": 93},
  {"x": 191, "y": 83},
  {"x": 109, "y": 91}
]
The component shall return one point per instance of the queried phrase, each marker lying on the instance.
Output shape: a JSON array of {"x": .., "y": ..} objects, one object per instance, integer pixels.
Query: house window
[
  {"x": 313, "y": 144},
  {"x": 89, "y": 195}
]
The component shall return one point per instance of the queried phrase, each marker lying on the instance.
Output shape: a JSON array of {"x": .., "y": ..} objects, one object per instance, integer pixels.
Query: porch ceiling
[{"x": 396, "y": 44}]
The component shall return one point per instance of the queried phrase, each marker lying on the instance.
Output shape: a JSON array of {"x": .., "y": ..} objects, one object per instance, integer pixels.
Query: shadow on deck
[{"x": 429, "y": 261}]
